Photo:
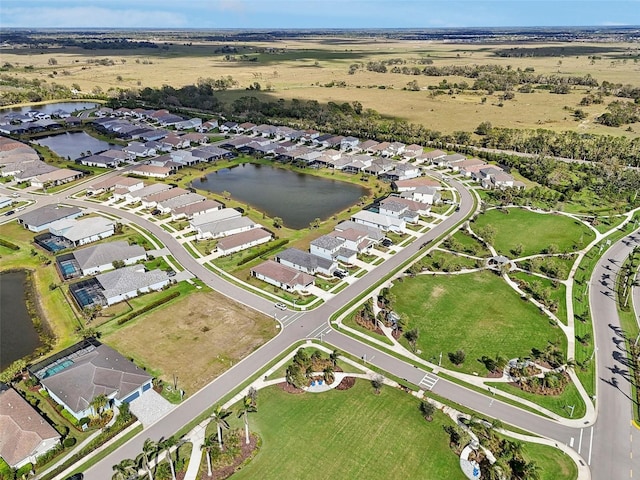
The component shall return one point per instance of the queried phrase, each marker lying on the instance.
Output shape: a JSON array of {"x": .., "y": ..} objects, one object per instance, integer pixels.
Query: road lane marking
[
  {"x": 580, "y": 441},
  {"x": 571, "y": 442},
  {"x": 590, "y": 446},
  {"x": 428, "y": 381}
]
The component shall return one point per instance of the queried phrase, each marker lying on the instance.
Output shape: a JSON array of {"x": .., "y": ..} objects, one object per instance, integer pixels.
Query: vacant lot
[
  {"x": 534, "y": 231},
  {"x": 357, "y": 434},
  {"x": 318, "y": 69},
  {"x": 196, "y": 338},
  {"x": 475, "y": 312}
]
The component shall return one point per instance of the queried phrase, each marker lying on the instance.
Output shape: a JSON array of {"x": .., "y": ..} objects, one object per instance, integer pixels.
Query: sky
[{"x": 247, "y": 14}]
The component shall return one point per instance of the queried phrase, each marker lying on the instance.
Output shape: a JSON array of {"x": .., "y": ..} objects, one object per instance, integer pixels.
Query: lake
[
  {"x": 52, "y": 107},
  {"x": 75, "y": 145},
  {"x": 295, "y": 197},
  {"x": 18, "y": 336}
]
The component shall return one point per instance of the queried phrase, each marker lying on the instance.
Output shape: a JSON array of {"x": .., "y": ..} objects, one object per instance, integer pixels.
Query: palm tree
[
  {"x": 220, "y": 415},
  {"x": 427, "y": 409},
  {"x": 329, "y": 377},
  {"x": 98, "y": 403},
  {"x": 125, "y": 470},
  {"x": 207, "y": 445},
  {"x": 149, "y": 449},
  {"x": 377, "y": 382},
  {"x": 248, "y": 406},
  {"x": 166, "y": 446},
  {"x": 333, "y": 356}
]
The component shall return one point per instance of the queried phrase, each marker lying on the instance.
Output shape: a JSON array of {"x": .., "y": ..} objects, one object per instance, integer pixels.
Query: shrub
[
  {"x": 69, "y": 442},
  {"x": 146, "y": 308},
  {"x": 8, "y": 244}
]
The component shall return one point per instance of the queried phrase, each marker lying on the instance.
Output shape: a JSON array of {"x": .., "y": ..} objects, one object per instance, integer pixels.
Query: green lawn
[
  {"x": 356, "y": 434},
  {"x": 348, "y": 434},
  {"x": 439, "y": 261},
  {"x": 558, "y": 293},
  {"x": 465, "y": 243},
  {"x": 534, "y": 231},
  {"x": 476, "y": 312},
  {"x": 559, "y": 404}
]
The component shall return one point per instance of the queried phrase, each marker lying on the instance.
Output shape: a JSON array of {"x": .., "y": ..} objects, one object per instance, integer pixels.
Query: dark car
[
  {"x": 156, "y": 212},
  {"x": 10, "y": 212},
  {"x": 76, "y": 476},
  {"x": 386, "y": 242}
]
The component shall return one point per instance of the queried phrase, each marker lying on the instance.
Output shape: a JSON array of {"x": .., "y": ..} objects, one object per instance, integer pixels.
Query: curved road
[
  {"x": 311, "y": 324},
  {"x": 616, "y": 452}
]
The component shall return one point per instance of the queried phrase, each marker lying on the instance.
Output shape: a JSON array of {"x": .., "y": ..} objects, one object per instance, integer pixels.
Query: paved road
[
  {"x": 311, "y": 324},
  {"x": 615, "y": 451}
]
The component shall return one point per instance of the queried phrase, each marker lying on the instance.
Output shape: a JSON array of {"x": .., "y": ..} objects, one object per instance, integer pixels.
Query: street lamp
[
  {"x": 572, "y": 407},
  {"x": 440, "y": 359}
]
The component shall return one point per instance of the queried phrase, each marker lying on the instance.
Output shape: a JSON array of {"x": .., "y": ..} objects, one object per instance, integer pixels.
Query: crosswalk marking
[{"x": 428, "y": 381}]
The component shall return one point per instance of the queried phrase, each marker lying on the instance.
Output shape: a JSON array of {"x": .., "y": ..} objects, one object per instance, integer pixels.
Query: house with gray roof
[
  {"x": 41, "y": 218},
  {"x": 138, "y": 195},
  {"x": 283, "y": 277},
  {"x": 332, "y": 248},
  {"x": 25, "y": 434},
  {"x": 91, "y": 372},
  {"x": 81, "y": 232},
  {"x": 99, "y": 258},
  {"x": 129, "y": 282},
  {"x": 377, "y": 220},
  {"x": 225, "y": 227},
  {"x": 194, "y": 209},
  {"x": 306, "y": 262},
  {"x": 100, "y": 161},
  {"x": 167, "y": 206}
]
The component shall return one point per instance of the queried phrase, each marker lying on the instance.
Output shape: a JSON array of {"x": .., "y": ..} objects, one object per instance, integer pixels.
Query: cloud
[{"x": 87, "y": 17}]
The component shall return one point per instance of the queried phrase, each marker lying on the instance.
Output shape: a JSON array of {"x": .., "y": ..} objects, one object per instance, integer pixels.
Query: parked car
[
  {"x": 10, "y": 212},
  {"x": 156, "y": 212},
  {"x": 281, "y": 306},
  {"x": 76, "y": 476},
  {"x": 386, "y": 242},
  {"x": 340, "y": 273}
]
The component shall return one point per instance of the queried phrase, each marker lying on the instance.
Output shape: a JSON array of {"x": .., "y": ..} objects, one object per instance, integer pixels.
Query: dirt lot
[{"x": 196, "y": 338}]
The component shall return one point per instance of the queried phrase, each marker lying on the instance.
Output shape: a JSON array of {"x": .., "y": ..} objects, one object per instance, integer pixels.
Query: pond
[
  {"x": 18, "y": 337},
  {"x": 75, "y": 145},
  {"x": 52, "y": 107},
  {"x": 296, "y": 198}
]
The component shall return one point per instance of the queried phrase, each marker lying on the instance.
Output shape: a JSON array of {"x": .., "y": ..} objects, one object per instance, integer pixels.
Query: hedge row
[
  {"x": 259, "y": 253},
  {"x": 148, "y": 307},
  {"x": 8, "y": 244},
  {"x": 106, "y": 435}
]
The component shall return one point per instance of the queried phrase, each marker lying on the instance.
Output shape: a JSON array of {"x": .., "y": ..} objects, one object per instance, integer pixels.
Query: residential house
[
  {"x": 283, "y": 277},
  {"x": 421, "y": 207},
  {"x": 464, "y": 165},
  {"x": 243, "y": 240},
  {"x": 100, "y": 161},
  {"x": 188, "y": 124},
  {"x": 375, "y": 235},
  {"x": 306, "y": 262},
  {"x": 195, "y": 138},
  {"x": 41, "y": 218},
  {"x": 377, "y": 220},
  {"x": 5, "y": 201},
  {"x": 349, "y": 143},
  {"x": 449, "y": 160},
  {"x": 353, "y": 239},
  {"x": 402, "y": 171},
  {"x": 380, "y": 166},
  {"x": 25, "y": 434},
  {"x": 225, "y": 227},
  {"x": 226, "y": 127},
  {"x": 428, "y": 195},
  {"x": 265, "y": 130},
  {"x": 332, "y": 248},
  {"x": 433, "y": 156},
  {"x": 246, "y": 127},
  {"x": 207, "y": 126},
  {"x": 413, "y": 183},
  {"x": 99, "y": 258},
  {"x": 151, "y": 201},
  {"x": 81, "y": 232},
  {"x": 412, "y": 151},
  {"x": 138, "y": 194},
  {"x": 310, "y": 135},
  {"x": 139, "y": 150},
  {"x": 152, "y": 171},
  {"x": 399, "y": 210},
  {"x": 57, "y": 177},
  {"x": 194, "y": 209},
  {"x": 89, "y": 370},
  {"x": 129, "y": 282},
  {"x": 169, "y": 205}
]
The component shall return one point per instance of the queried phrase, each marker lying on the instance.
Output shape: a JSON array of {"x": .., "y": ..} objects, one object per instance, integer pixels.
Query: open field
[
  {"x": 195, "y": 338},
  {"x": 556, "y": 293},
  {"x": 534, "y": 231},
  {"x": 475, "y": 312},
  {"x": 344, "y": 434},
  {"x": 305, "y": 68}
]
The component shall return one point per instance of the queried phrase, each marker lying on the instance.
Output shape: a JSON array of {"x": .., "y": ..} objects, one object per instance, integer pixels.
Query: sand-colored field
[
  {"x": 196, "y": 338},
  {"x": 302, "y": 69}
]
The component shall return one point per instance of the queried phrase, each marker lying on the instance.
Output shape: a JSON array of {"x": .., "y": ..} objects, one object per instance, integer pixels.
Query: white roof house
[
  {"x": 81, "y": 232},
  {"x": 129, "y": 282},
  {"x": 383, "y": 222},
  {"x": 99, "y": 258}
]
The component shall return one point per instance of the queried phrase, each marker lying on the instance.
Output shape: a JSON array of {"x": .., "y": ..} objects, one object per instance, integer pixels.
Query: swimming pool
[{"x": 57, "y": 368}]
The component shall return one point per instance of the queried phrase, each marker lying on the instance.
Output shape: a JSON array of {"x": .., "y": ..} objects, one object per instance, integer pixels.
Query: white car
[{"x": 281, "y": 306}]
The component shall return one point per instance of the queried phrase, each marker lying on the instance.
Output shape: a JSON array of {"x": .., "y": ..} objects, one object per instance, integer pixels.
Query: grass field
[
  {"x": 557, "y": 293},
  {"x": 302, "y": 69},
  {"x": 357, "y": 434},
  {"x": 475, "y": 312},
  {"x": 534, "y": 231},
  {"x": 195, "y": 338}
]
